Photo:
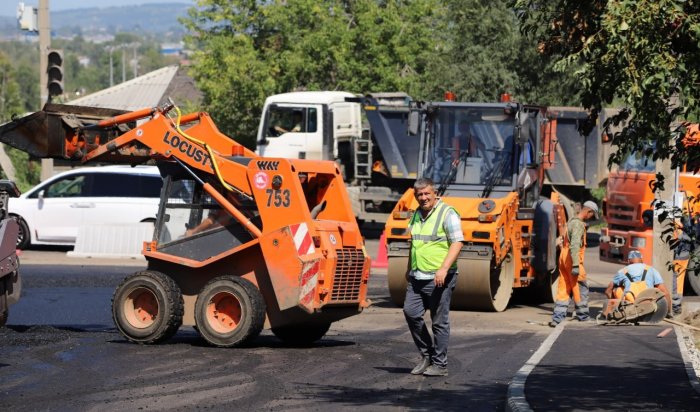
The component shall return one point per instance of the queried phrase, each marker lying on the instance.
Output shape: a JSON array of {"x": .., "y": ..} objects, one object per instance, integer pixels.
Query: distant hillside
[{"x": 154, "y": 19}]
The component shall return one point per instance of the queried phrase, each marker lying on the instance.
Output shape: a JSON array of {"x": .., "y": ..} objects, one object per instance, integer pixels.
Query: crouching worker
[{"x": 631, "y": 280}]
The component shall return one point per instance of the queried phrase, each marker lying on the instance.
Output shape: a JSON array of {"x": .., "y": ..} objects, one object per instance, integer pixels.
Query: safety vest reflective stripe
[{"x": 428, "y": 238}]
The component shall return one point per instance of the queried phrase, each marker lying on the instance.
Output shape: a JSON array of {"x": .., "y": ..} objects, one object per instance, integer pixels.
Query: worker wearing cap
[
  {"x": 636, "y": 271},
  {"x": 572, "y": 274}
]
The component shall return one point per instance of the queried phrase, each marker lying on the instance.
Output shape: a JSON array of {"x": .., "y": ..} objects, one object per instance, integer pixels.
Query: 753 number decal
[{"x": 277, "y": 197}]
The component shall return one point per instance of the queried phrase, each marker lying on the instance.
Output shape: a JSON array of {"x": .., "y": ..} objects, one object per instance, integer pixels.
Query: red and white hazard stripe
[
  {"x": 302, "y": 239},
  {"x": 309, "y": 280}
]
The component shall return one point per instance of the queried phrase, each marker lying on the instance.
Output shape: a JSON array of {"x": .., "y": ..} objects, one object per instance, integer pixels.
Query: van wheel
[
  {"x": 229, "y": 311},
  {"x": 147, "y": 307},
  {"x": 23, "y": 235},
  {"x": 301, "y": 335}
]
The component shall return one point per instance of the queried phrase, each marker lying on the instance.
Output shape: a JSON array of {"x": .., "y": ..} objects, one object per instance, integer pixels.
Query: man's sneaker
[
  {"x": 434, "y": 370},
  {"x": 553, "y": 324},
  {"x": 422, "y": 366}
]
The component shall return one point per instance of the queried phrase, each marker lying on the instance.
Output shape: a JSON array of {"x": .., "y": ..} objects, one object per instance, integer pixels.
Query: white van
[{"x": 51, "y": 212}]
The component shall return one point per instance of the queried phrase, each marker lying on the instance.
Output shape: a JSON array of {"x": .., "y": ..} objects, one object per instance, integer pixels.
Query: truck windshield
[
  {"x": 282, "y": 119},
  {"x": 637, "y": 162},
  {"x": 477, "y": 142}
]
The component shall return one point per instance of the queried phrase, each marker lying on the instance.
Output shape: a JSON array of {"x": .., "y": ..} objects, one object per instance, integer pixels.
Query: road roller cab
[
  {"x": 241, "y": 242},
  {"x": 488, "y": 161}
]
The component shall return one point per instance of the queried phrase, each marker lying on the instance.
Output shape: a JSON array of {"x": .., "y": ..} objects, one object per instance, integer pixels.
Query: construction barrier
[
  {"x": 112, "y": 241},
  {"x": 381, "y": 261}
]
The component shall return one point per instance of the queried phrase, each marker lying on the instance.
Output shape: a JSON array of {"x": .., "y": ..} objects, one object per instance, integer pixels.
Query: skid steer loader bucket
[{"x": 58, "y": 131}]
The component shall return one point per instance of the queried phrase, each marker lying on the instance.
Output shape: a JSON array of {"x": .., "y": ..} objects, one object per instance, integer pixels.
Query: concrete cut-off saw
[{"x": 650, "y": 306}]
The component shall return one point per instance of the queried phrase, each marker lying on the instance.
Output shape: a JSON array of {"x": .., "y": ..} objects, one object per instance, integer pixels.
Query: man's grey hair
[{"x": 423, "y": 182}]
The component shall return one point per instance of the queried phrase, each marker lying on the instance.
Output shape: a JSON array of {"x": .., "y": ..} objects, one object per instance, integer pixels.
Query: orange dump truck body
[{"x": 628, "y": 205}]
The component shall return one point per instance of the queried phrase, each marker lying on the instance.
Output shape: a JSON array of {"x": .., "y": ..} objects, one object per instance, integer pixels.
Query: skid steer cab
[{"x": 241, "y": 242}]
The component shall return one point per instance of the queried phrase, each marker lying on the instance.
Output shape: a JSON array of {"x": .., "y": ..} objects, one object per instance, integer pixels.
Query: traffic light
[{"x": 55, "y": 72}]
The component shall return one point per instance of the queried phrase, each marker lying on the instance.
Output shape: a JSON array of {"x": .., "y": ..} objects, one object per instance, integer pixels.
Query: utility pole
[
  {"x": 44, "y": 45},
  {"x": 663, "y": 202},
  {"x": 135, "y": 61},
  {"x": 111, "y": 67},
  {"x": 123, "y": 64}
]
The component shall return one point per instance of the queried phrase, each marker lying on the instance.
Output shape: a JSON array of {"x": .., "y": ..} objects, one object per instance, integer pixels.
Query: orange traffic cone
[{"x": 381, "y": 261}]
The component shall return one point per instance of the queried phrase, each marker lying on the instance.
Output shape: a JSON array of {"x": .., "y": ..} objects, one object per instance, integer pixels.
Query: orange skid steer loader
[{"x": 240, "y": 243}]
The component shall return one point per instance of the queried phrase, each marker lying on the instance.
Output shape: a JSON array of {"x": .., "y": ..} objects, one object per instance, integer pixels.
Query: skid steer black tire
[
  {"x": 24, "y": 237},
  {"x": 230, "y": 311},
  {"x": 147, "y": 307},
  {"x": 301, "y": 335}
]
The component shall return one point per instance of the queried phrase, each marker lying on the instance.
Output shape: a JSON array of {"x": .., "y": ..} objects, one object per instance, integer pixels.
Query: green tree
[
  {"x": 247, "y": 50},
  {"x": 11, "y": 104},
  {"x": 643, "y": 54}
]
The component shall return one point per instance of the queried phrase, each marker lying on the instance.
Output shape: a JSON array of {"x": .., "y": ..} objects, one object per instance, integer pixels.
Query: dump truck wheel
[
  {"x": 396, "y": 277},
  {"x": 147, "y": 307},
  {"x": 301, "y": 335},
  {"x": 23, "y": 235},
  {"x": 229, "y": 311}
]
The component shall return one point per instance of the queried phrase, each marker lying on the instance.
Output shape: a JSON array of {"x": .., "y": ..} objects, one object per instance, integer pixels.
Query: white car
[{"x": 51, "y": 212}]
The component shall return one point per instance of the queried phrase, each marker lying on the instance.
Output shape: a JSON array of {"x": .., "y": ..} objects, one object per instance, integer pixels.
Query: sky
[{"x": 9, "y": 7}]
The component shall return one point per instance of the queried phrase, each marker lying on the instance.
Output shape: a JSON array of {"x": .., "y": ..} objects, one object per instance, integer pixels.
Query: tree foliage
[
  {"x": 248, "y": 50},
  {"x": 12, "y": 103},
  {"x": 643, "y": 53}
]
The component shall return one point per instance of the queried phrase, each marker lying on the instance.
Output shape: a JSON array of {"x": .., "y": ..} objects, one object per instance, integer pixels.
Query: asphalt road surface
[{"x": 61, "y": 351}]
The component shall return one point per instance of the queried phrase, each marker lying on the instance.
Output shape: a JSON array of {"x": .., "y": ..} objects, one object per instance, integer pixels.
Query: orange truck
[
  {"x": 629, "y": 212},
  {"x": 241, "y": 242}
]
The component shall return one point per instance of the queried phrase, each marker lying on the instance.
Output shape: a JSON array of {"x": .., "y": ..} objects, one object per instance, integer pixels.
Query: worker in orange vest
[{"x": 572, "y": 274}]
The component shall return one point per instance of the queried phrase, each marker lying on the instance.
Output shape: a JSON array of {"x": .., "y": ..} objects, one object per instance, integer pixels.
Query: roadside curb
[
  {"x": 689, "y": 353},
  {"x": 516, "y": 401}
]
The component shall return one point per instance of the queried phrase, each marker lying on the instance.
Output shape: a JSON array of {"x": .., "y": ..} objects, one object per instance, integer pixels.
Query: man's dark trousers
[{"x": 422, "y": 295}]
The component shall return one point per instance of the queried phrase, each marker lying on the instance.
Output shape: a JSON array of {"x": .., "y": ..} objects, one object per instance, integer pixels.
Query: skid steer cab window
[
  {"x": 471, "y": 146},
  {"x": 281, "y": 120},
  {"x": 196, "y": 226}
]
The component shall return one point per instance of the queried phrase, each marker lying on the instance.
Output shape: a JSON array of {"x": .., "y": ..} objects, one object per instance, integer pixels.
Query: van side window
[
  {"x": 125, "y": 185},
  {"x": 71, "y": 186}
]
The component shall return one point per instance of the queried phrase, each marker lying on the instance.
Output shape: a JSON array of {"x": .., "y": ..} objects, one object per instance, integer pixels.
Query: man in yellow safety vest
[{"x": 436, "y": 240}]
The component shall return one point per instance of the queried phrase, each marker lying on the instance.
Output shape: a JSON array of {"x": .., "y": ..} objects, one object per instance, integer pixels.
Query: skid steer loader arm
[{"x": 53, "y": 131}]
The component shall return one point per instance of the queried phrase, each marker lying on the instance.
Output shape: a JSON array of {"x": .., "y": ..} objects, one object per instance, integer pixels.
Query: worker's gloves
[{"x": 575, "y": 270}]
